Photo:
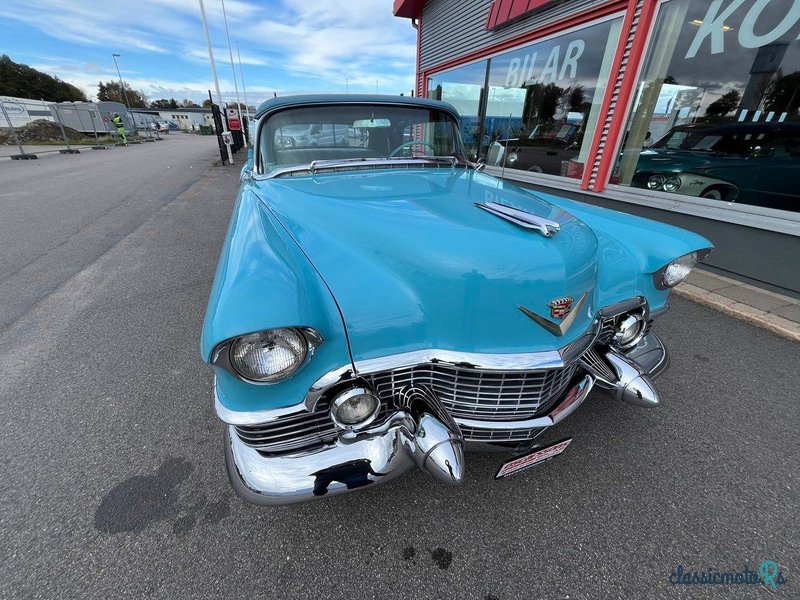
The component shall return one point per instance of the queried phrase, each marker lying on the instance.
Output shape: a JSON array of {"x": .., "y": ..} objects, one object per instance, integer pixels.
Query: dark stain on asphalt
[
  {"x": 702, "y": 358},
  {"x": 409, "y": 553},
  {"x": 216, "y": 511},
  {"x": 145, "y": 499},
  {"x": 442, "y": 558},
  {"x": 490, "y": 597}
]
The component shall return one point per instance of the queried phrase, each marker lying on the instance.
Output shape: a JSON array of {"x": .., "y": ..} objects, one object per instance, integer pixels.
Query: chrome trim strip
[
  {"x": 254, "y": 417},
  {"x": 624, "y": 306},
  {"x": 549, "y": 359}
]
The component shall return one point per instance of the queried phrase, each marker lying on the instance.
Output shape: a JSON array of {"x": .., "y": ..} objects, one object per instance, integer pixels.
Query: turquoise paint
[{"x": 413, "y": 264}]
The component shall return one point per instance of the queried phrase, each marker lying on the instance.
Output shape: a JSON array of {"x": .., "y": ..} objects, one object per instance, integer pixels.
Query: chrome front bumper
[{"x": 405, "y": 439}]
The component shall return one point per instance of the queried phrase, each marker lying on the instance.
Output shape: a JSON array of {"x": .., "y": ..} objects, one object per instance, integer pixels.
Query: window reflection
[
  {"x": 542, "y": 101},
  {"x": 716, "y": 112}
]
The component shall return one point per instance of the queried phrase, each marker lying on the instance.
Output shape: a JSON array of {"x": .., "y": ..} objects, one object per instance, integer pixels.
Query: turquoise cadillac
[{"x": 382, "y": 304}]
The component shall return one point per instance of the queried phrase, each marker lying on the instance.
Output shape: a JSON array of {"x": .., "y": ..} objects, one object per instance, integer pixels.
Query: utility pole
[
  {"x": 125, "y": 94},
  {"x": 233, "y": 70},
  {"x": 214, "y": 74},
  {"x": 241, "y": 76}
]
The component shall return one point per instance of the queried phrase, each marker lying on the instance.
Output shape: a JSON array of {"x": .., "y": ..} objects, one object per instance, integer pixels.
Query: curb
[{"x": 763, "y": 319}]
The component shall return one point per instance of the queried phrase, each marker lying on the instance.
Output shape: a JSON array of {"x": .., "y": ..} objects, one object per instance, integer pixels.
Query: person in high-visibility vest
[{"x": 120, "y": 125}]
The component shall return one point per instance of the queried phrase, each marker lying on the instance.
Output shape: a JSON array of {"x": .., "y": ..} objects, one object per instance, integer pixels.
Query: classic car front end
[{"x": 382, "y": 305}]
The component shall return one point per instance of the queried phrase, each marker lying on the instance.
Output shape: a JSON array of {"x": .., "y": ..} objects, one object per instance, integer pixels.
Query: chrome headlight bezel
[
  {"x": 672, "y": 184},
  {"x": 346, "y": 396},
  {"x": 223, "y": 354},
  {"x": 677, "y": 270},
  {"x": 625, "y": 324},
  {"x": 654, "y": 182}
]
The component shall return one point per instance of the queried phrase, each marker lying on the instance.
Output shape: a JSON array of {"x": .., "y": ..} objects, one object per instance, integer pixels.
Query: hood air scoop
[{"x": 521, "y": 218}]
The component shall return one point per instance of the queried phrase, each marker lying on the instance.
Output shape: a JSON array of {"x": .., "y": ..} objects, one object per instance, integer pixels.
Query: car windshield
[{"x": 353, "y": 132}]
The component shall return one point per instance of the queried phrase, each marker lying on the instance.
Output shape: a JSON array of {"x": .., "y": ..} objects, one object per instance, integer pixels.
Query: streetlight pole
[
  {"x": 214, "y": 74},
  {"x": 124, "y": 93},
  {"x": 233, "y": 70},
  {"x": 241, "y": 76}
]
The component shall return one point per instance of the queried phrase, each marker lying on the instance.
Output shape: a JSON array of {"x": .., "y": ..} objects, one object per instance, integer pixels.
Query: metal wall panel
[{"x": 452, "y": 28}]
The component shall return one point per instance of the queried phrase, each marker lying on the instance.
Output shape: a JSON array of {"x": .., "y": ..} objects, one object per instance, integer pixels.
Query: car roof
[{"x": 282, "y": 102}]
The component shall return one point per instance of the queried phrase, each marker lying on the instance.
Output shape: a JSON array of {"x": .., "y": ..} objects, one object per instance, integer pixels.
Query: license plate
[{"x": 533, "y": 458}]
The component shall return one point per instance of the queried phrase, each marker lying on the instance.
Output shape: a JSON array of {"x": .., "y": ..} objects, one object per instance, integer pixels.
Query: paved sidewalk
[{"x": 775, "y": 312}]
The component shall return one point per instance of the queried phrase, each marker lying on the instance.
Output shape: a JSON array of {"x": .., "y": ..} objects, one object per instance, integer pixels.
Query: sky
[{"x": 286, "y": 45}]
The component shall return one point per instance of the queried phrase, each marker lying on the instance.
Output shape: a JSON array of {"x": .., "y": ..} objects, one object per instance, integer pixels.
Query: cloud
[
  {"x": 285, "y": 44},
  {"x": 334, "y": 41}
]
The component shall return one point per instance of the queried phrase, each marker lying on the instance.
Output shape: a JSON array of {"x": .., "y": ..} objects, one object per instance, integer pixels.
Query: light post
[
  {"x": 244, "y": 89},
  {"x": 233, "y": 70},
  {"x": 214, "y": 74},
  {"x": 124, "y": 92}
]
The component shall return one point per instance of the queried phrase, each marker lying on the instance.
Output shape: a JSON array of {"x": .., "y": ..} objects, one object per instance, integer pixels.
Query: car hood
[{"x": 414, "y": 265}]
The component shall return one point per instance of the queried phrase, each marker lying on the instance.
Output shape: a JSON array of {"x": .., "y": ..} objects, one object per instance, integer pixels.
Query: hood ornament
[
  {"x": 522, "y": 218},
  {"x": 560, "y": 308}
]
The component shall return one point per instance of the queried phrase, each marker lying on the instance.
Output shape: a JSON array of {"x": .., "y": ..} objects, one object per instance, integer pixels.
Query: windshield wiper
[{"x": 450, "y": 159}]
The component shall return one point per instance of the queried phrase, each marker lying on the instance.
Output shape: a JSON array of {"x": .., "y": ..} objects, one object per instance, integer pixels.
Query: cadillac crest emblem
[{"x": 560, "y": 307}]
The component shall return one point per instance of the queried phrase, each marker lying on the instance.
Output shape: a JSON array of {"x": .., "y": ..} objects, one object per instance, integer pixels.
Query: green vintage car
[{"x": 749, "y": 163}]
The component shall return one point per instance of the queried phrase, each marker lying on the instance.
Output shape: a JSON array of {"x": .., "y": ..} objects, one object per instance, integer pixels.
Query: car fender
[
  {"x": 631, "y": 249},
  {"x": 264, "y": 281}
]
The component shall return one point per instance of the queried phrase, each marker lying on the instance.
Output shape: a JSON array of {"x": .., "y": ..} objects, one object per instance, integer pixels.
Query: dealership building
[{"x": 687, "y": 112}]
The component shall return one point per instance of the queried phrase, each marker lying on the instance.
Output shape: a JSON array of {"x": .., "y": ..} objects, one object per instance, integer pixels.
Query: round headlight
[
  {"x": 629, "y": 331},
  {"x": 655, "y": 182},
  {"x": 678, "y": 270},
  {"x": 513, "y": 157},
  {"x": 354, "y": 408},
  {"x": 672, "y": 184},
  {"x": 269, "y": 355}
]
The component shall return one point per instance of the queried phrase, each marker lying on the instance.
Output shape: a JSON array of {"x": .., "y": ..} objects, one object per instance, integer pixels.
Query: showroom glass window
[
  {"x": 716, "y": 110},
  {"x": 537, "y": 107},
  {"x": 543, "y": 100}
]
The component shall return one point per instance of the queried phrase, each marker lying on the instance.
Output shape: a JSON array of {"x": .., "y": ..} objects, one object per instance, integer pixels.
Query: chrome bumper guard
[{"x": 422, "y": 435}]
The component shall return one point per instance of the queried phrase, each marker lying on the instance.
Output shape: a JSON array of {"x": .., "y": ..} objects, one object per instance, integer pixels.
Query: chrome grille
[
  {"x": 595, "y": 364},
  {"x": 473, "y": 434},
  {"x": 606, "y": 330},
  {"x": 294, "y": 432},
  {"x": 478, "y": 393}
]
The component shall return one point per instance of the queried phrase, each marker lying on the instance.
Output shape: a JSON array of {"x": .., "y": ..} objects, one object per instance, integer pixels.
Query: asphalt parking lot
[{"x": 113, "y": 476}]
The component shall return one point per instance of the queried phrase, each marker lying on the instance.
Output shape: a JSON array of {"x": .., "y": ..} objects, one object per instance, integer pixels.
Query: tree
[
  {"x": 111, "y": 91},
  {"x": 163, "y": 103},
  {"x": 724, "y": 104},
  {"x": 783, "y": 93},
  {"x": 23, "y": 81},
  {"x": 186, "y": 103},
  {"x": 206, "y": 103}
]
